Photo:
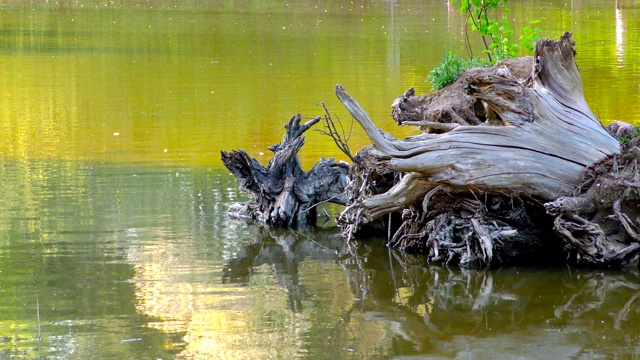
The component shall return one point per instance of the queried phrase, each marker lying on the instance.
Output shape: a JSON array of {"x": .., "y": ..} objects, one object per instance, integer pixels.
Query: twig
[
  {"x": 339, "y": 136},
  {"x": 467, "y": 42},
  {"x": 327, "y": 217}
]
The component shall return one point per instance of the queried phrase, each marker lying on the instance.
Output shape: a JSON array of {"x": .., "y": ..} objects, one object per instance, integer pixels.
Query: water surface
[
  {"x": 176, "y": 83},
  {"x": 114, "y": 242}
]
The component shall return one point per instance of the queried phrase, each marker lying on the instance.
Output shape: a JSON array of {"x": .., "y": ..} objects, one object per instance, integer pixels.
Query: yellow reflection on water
[
  {"x": 177, "y": 87},
  {"x": 254, "y": 320},
  {"x": 35, "y": 115}
]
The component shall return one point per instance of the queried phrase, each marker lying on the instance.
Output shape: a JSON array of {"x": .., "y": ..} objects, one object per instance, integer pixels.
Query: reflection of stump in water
[
  {"x": 283, "y": 251},
  {"x": 616, "y": 295},
  {"x": 450, "y": 309},
  {"x": 598, "y": 311}
]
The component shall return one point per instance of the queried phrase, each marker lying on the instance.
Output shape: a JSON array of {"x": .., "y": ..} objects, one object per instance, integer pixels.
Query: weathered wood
[
  {"x": 285, "y": 195},
  {"x": 548, "y": 137},
  {"x": 453, "y": 104},
  {"x": 536, "y": 140}
]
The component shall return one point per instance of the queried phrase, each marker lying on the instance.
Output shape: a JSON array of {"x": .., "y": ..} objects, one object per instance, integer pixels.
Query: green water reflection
[
  {"x": 114, "y": 242},
  {"x": 120, "y": 261},
  {"x": 136, "y": 262}
]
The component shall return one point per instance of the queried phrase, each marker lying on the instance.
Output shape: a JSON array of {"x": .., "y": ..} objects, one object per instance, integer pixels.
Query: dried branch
[{"x": 335, "y": 130}]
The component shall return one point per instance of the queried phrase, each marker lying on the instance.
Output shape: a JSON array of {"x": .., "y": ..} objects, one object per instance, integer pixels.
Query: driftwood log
[
  {"x": 508, "y": 165},
  {"x": 285, "y": 195},
  {"x": 512, "y": 167}
]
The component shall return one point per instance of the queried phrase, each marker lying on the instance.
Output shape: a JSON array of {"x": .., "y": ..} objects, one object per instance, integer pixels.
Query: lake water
[{"x": 114, "y": 239}]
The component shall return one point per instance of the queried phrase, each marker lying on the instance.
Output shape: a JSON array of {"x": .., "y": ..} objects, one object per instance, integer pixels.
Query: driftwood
[
  {"x": 284, "y": 194},
  {"x": 512, "y": 167},
  {"x": 470, "y": 190}
]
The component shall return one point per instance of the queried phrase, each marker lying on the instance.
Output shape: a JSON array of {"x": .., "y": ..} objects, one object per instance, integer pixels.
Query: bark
[
  {"x": 510, "y": 142},
  {"x": 284, "y": 194}
]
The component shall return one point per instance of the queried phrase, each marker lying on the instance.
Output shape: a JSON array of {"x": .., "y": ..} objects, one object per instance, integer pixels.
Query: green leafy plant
[
  {"x": 530, "y": 34},
  {"x": 451, "y": 68},
  {"x": 489, "y": 18}
]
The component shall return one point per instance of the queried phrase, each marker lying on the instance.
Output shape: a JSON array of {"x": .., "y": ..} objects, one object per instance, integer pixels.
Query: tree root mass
[{"x": 512, "y": 167}]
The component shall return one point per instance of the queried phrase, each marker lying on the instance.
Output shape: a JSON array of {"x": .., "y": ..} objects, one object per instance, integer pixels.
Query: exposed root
[
  {"x": 362, "y": 182},
  {"x": 600, "y": 223},
  {"x": 467, "y": 230}
]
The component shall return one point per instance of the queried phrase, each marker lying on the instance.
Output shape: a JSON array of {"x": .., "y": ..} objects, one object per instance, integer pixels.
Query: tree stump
[
  {"x": 470, "y": 190},
  {"x": 285, "y": 195}
]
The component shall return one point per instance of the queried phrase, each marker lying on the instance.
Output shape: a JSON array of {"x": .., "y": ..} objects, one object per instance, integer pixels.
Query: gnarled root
[
  {"x": 600, "y": 224},
  {"x": 285, "y": 195},
  {"x": 362, "y": 182},
  {"x": 473, "y": 232}
]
